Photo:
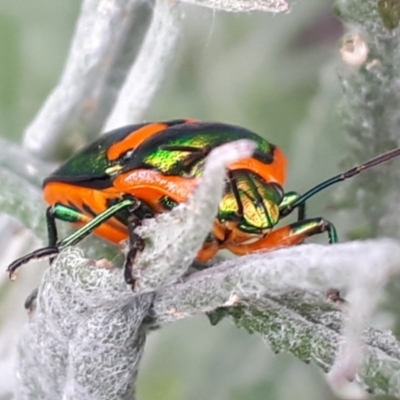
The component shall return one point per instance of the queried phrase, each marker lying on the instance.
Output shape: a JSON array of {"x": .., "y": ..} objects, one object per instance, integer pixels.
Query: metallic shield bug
[{"x": 138, "y": 171}]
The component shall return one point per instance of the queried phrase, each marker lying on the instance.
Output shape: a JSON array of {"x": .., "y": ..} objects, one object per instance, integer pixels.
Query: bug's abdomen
[
  {"x": 154, "y": 191},
  {"x": 90, "y": 202}
]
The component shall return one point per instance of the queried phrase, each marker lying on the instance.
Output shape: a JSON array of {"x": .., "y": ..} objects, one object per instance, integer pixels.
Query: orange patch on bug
[{"x": 274, "y": 172}]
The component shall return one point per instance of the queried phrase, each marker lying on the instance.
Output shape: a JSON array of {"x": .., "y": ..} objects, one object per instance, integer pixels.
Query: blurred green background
[{"x": 275, "y": 74}]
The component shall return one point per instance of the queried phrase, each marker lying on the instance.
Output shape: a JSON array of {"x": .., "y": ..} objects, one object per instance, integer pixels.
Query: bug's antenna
[{"x": 345, "y": 175}]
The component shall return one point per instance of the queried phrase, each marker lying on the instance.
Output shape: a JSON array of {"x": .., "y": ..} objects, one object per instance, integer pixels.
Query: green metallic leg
[
  {"x": 286, "y": 206},
  {"x": 290, "y": 203},
  {"x": 301, "y": 212},
  {"x": 67, "y": 214},
  {"x": 52, "y": 233},
  {"x": 88, "y": 228},
  {"x": 314, "y": 226},
  {"x": 63, "y": 213}
]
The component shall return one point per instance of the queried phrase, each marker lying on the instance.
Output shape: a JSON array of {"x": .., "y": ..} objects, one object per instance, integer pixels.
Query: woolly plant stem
[
  {"x": 282, "y": 295},
  {"x": 107, "y": 37},
  {"x": 148, "y": 72},
  {"x": 274, "y": 6}
]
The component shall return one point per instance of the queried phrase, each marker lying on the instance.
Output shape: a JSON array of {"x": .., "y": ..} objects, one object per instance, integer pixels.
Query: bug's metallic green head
[{"x": 251, "y": 203}]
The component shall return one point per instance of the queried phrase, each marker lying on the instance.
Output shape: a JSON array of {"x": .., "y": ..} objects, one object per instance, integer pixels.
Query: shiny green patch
[
  {"x": 258, "y": 201},
  {"x": 91, "y": 162},
  {"x": 170, "y": 161}
]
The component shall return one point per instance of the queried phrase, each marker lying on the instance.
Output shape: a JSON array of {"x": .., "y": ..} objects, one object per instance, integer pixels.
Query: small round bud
[{"x": 354, "y": 50}]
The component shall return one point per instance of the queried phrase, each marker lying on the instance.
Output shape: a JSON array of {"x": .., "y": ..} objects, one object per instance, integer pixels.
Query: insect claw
[
  {"x": 41, "y": 254},
  {"x": 12, "y": 276}
]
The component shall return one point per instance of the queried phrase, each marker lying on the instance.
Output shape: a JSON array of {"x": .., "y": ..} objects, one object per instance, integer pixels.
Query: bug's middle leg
[
  {"x": 63, "y": 213},
  {"x": 71, "y": 215},
  {"x": 136, "y": 245}
]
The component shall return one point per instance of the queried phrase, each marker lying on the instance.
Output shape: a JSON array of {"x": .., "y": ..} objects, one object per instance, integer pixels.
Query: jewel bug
[{"x": 138, "y": 171}]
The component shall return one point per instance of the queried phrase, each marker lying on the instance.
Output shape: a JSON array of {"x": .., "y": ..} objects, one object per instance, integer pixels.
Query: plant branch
[
  {"x": 150, "y": 68},
  {"x": 31, "y": 169},
  {"x": 23, "y": 200},
  {"x": 274, "y": 6},
  {"x": 107, "y": 37},
  {"x": 282, "y": 295}
]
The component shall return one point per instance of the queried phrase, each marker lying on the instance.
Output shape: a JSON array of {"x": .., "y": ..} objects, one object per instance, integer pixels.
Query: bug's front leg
[
  {"x": 288, "y": 235},
  {"x": 285, "y": 208}
]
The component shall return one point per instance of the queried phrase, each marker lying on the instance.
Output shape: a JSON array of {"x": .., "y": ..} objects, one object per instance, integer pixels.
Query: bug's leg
[
  {"x": 68, "y": 214},
  {"x": 95, "y": 222},
  {"x": 136, "y": 245},
  {"x": 63, "y": 213},
  {"x": 288, "y": 235},
  {"x": 58, "y": 211},
  {"x": 52, "y": 233},
  {"x": 30, "y": 302},
  {"x": 210, "y": 248},
  {"x": 286, "y": 208},
  {"x": 40, "y": 254},
  {"x": 301, "y": 212}
]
